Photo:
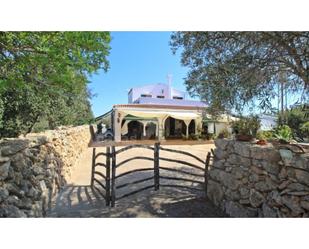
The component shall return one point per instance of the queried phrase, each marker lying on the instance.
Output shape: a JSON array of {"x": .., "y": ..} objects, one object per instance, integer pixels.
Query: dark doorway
[
  {"x": 151, "y": 131},
  {"x": 174, "y": 128},
  {"x": 135, "y": 130},
  {"x": 192, "y": 127}
]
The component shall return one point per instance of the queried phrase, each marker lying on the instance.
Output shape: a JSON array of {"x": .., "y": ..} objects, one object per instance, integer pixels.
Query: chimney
[{"x": 169, "y": 83}]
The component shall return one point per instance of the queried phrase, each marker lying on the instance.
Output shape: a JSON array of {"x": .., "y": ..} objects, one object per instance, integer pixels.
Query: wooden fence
[{"x": 105, "y": 181}]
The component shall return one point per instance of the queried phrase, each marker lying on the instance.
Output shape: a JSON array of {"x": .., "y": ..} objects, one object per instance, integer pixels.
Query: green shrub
[
  {"x": 284, "y": 133},
  {"x": 210, "y": 136},
  {"x": 305, "y": 129},
  {"x": 193, "y": 136},
  {"x": 265, "y": 135},
  {"x": 246, "y": 125}
]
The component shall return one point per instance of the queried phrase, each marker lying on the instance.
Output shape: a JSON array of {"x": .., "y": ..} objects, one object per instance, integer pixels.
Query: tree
[
  {"x": 231, "y": 69},
  {"x": 43, "y": 78}
]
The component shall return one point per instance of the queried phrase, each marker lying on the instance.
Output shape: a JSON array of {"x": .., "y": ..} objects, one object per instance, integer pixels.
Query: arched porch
[{"x": 178, "y": 128}]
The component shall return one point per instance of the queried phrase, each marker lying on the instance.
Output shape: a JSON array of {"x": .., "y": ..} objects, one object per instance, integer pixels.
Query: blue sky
[
  {"x": 136, "y": 58},
  {"x": 139, "y": 58}
]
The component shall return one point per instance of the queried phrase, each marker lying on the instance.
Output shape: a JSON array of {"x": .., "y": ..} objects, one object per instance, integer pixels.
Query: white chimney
[{"x": 169, "y": 83}]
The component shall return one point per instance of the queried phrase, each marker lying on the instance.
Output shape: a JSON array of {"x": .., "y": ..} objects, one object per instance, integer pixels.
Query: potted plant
[
  {"x": 261, "y": 138},
  {"x": 246, "y": 128}
]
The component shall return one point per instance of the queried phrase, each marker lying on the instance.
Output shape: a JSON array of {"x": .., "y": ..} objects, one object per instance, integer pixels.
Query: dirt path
[{"x": 79, "y": 200}]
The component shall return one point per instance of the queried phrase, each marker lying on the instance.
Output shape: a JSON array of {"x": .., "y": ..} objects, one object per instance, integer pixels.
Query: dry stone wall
[
  {"x": 34, "y": 168},
  {"x": 249, "y": 180}
]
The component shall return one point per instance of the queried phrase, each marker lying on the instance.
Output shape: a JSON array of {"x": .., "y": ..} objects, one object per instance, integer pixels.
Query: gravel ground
[{"x": 78, "y": 199}]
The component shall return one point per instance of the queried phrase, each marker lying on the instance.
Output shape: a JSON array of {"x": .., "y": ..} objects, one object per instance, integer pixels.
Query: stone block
[
  {"x": 215, "y": 192},
  {"x": 242, "y": 149},
  {"x": 234, "y": 209},
  {"x": 4, "y": 170},
  {"x": 302, "y": 176},
  {"x": 305, "y": 205},
  {"x": 10, "y": 147},
  {"x": 222, "y": 143},
  {"x": 272, "y": 168},
  {"x": 256, "y": 198},
  {"x": 269, "y": 212},
  {"x": 265, "y": 186},
  {"x": 230, "y": 181},
  {"x": 292, "y": 202},
  {"x": 220, "y": 154}
]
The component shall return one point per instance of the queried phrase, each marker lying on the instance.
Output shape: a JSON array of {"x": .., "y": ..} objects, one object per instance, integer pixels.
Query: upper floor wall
[{"x": 155, "y": 91}]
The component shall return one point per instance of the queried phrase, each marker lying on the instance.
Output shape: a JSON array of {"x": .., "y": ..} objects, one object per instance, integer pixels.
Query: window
[
  {"x": 160, "y": 97},
  {"x": 146, "y": 95},
  {"x": 176, "y": 97}
]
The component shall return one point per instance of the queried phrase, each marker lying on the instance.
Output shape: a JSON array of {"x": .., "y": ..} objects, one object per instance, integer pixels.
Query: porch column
[
  {"x": 117, "y": 126},
  {"x": 144, "y": 128},
  {"x": 157, "y": 129},
  {"x": 161, "y": 129},
  {"x": 187, "y": 122}
]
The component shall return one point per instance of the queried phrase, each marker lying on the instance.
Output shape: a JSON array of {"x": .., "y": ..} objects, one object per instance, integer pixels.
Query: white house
[{"x": 159, "y": 111}]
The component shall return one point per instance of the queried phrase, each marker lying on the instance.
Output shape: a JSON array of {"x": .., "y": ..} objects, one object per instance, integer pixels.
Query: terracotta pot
[
  {"x": 244, "y": 138},
  {"x": 261, "y": 142}
]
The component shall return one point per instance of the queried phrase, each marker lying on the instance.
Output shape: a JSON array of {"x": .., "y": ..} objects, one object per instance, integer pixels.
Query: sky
[{"x": 136, "y": 58}]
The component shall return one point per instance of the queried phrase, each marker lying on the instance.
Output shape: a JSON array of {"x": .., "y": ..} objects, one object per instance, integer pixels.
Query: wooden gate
[{"x": 105, "y": 183}]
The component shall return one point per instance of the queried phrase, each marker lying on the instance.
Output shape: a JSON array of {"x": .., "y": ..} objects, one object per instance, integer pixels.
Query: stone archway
[
  {"x": 135, "y": 130},
  {"x": 151, "y": 130},
  {"x": 174, "y": 128},
  {"x": 192, "y": 127}
]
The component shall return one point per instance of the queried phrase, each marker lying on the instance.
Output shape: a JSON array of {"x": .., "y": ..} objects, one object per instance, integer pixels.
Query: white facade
[{"x": 156, "y": 91}]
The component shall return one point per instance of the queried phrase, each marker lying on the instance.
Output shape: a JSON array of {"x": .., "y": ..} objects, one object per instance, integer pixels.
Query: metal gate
[{"x": 105, "y": 181}]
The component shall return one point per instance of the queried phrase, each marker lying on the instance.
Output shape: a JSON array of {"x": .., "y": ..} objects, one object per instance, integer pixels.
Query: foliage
[
  {"x": 43, "y": 78},
  {"x": 305, "y": 129},
  {"x": 265, "y": 135},
  {"x": 210, "y": 136},
  {"x": 224, "y": 133},
  {"x": 31, "y": 110},
  {"x": 284, "y": 133},
  {"x": 295, "y": 118},
  {"x": 193, "y": 136},
  {"x": 246, "y": 125},
  {"x": 231, "y": 69}
]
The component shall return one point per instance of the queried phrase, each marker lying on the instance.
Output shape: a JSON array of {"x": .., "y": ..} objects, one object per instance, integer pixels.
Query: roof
[
  {"x": 103, "y": 115},
  {"x": 170, "y": 102},
  {"x": 153, "y": 106}
]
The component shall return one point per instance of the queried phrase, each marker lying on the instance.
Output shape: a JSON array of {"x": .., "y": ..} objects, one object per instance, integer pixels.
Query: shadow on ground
[{"x": 83, "y": 201}]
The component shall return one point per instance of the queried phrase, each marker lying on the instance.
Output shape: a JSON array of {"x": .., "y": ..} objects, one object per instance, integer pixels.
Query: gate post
[
  {"x": 206, "y": 171},
  {"x": 113, "y": 194},
  {"x": 156, "y": 166},
  {"x": 93, "y": 167},
  {"x": 107, "y": 174}
]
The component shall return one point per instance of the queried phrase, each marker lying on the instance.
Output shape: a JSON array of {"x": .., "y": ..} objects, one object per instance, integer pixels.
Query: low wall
[
  {"x": 33, "y": 169},
  {"x": 249, "y": 180}
]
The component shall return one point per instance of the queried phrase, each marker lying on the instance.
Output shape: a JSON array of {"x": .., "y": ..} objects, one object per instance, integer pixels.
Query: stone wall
[
  {"x": 34, "y": 168},
  {"x": 249, "y": 180}
]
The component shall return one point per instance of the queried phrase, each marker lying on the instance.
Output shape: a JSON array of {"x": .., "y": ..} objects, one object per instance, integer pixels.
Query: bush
[
  {"x": 295, "y": 118},
  {"x": 305, "y": 129},
  {"x": 224, "y": 133},
  {"x": 246, "y": 125},
  {"x": 193, "y": 136},
  {"x": 284, "y": 133},
  {"x": 265, "y": 135}
]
